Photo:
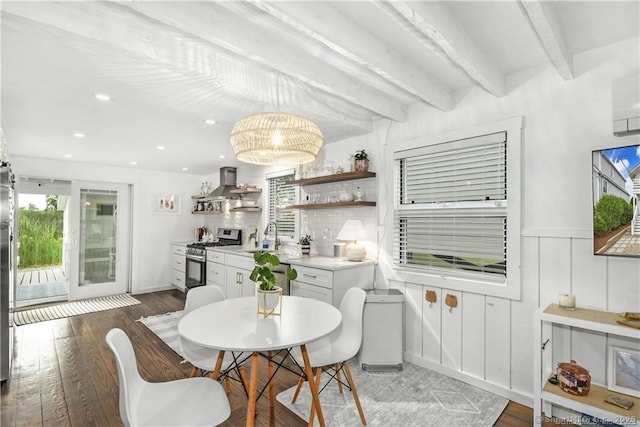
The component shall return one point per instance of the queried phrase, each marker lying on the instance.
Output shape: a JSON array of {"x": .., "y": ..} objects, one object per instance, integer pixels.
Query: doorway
[
  {"x": 42, "y": 273},
  {"x": 82, "y": 250}
]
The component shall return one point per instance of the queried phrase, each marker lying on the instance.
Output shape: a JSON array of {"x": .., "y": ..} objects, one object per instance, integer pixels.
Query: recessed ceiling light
[
  {"x": 68, "y": 155},
  {"x": 160, "y": 147},
  {"x": 103, "y": 97},
  {"x": 221, "y": 156},
  {"x": 209, "y": 122},
  {"x": 185, "y": 169},
  {"x": 79, "y": 135},
  {"x": 133, "y": 163}
]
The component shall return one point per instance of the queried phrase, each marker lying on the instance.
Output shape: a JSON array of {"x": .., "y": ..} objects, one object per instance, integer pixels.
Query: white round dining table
[{"x": 235, "y": 325}]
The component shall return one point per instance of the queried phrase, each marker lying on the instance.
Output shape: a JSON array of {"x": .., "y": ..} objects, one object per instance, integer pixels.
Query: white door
[{"x": 99, "y": 221}]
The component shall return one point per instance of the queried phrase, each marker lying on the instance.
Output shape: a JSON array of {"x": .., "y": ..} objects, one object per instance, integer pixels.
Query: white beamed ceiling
[{"x": 171, "y": 65}]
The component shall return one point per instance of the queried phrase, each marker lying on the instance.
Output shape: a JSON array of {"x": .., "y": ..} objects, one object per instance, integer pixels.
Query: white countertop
[
  {"x": 315, "y": 261},
  {"x": 182, "y": 243}
]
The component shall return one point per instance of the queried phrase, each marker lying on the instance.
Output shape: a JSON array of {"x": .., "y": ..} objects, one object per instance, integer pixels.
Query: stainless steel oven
[
  {"x": 196, "y": 256},
  {"x": 195, "y": 270}
]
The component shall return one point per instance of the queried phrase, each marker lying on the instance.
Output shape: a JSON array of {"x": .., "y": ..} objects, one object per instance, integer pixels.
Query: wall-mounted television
[{"x": 616, "y": 192}]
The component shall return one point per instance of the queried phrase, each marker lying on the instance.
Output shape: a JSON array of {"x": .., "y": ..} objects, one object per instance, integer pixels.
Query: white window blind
[
  {"x": 451, "y": 201},
  {"x": 281, "y": 193}
]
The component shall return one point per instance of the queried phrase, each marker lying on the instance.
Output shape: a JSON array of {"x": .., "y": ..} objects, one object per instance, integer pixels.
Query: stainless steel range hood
[{"x": 228, "y": 182}]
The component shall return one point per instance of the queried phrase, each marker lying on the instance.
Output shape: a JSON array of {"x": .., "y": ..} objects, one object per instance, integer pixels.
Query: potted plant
[
  {"x": 360, "y": 161},
  {"x": 305, "y": 244},
  {"x": 268, "y": 292}
]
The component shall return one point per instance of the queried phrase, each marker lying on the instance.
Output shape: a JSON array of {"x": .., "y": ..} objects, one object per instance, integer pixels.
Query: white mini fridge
[{"x": 382, "y": 330}]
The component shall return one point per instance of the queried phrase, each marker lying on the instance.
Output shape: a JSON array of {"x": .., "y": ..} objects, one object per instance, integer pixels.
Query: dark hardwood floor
[{"x": 64, "y": 373}]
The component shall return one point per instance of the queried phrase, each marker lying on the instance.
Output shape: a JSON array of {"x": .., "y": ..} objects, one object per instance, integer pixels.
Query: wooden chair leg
[
  {"x": 272, "y": 391},
  {"x": 338, "y": 376},
  {"x": 317, "y": 380},
  {"x": 227, "y": 384},
  {"x": 194, "y": 372},
  {"x": 295, "y": 395},
  {"x": 347, "y": 371},
  {"x": 243, "y": 377}
]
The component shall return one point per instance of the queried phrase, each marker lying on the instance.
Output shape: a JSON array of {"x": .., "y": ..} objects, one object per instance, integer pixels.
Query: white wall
[
  {"x": 490, "y": 344},
  {"x": 151, "y": 233}
]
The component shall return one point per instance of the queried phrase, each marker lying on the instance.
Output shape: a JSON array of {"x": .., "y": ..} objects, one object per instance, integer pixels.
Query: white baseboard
[{"x": 513, "y": 395}]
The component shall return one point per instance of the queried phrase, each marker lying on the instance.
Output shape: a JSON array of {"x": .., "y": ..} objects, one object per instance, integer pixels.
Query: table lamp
[{"x": 352, "y": 230}]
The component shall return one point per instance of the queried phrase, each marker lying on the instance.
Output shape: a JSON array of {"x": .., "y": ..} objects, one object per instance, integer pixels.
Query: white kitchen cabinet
[
  {"x": 178, "y": 252},
  {"x": 237, "y": 271},
  {"x": 328, "y": 279},
  {"x": 301, "y": 289},
  {"x": 586, "y": 321},
  {"x": 215, "y": 270}
]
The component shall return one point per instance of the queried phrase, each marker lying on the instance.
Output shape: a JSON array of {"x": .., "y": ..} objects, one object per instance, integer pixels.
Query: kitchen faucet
[{"x": 266, "y": 232}]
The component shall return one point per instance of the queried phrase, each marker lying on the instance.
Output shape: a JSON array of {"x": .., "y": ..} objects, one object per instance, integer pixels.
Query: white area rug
[
  {"x": 165, "y": 326},
  {"x": 75, "y": 308},
  {"x": 413, "y": 397}
]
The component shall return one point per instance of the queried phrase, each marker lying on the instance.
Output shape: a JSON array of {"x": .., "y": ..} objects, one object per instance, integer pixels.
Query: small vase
[
  {"x": 306, "y": 249},
  {"x": 361, "y": 165},
  {"x": 269, "y": 300}
]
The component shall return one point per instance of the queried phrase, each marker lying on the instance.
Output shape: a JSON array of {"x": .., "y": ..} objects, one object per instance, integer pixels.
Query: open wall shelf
[
  {"x": 327, "y": 205},
  {"x": 347, "y": 176}
]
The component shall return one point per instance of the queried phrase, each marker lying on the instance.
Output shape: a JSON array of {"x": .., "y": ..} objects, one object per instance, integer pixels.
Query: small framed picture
[
  {"x": 624, "y": 370},
  {"x": 166, "y": 204}
]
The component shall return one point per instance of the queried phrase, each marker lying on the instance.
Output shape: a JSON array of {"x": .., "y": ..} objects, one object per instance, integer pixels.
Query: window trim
[
  {"x": 509, "y": 287},
  {"x": 265, "y": 216}
]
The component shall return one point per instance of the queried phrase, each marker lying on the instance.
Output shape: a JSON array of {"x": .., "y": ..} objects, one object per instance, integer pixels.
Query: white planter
[{"x": 268, "y": 301}]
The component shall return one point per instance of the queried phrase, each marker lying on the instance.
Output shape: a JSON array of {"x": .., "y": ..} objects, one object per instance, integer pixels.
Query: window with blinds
[
  {"x": 451, "y": 206},
  {"x": 281, "y": 193}
]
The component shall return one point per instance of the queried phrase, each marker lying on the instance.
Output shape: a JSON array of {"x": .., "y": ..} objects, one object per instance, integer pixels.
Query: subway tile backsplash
[{"x": 325, "y": 224}]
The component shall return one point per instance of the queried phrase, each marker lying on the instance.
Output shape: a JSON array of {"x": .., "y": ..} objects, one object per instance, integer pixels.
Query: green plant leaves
[{"x": 262, "y": 273}]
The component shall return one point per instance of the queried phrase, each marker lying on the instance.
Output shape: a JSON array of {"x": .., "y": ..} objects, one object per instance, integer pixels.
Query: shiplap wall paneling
[
  {"x": 555, "y": 269},
  {"x": 413, "y": 318},
  {"x": 588, "y": 275},
  {"x": 498, "y": 341},
  {"x": 522, "y": 319},
  {"x": 452, "y": 331},
  {"x": 473, "y": 335},
  {"x": 623, "y": 279},
  {"x": 431, "y": 326}
]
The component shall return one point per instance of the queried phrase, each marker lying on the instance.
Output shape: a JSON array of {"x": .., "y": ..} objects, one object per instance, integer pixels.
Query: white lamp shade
[{"x": 353, "y": 231}]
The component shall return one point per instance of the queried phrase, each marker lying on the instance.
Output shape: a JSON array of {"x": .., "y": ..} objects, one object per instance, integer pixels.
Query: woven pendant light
[{"x": 276, "y": 139}]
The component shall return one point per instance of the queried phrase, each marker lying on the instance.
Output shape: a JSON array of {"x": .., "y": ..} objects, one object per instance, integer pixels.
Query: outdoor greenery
[
  {"x": 610, "y": 213},
  {"x": 40, "y": 238}
]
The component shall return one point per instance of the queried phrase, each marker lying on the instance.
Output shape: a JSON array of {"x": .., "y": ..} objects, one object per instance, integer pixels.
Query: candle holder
[{"x": 567, "y": 302}]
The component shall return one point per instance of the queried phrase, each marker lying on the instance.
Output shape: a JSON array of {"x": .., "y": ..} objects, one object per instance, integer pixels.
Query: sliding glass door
[{"x": 100, "y": 221}]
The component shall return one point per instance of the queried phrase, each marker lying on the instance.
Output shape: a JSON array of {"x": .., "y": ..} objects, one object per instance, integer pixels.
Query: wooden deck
[{"x": 41, "y": 276}]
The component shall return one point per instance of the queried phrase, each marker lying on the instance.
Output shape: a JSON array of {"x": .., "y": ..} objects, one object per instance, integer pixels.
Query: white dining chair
[
  {"x": 184, "y": 402},
  {"x": 333, "y": 352},
  {"x": 204, "y": 359}
]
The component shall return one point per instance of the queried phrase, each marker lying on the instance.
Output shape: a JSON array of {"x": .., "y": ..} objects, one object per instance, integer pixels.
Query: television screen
[{"x": 616, "y": 190}]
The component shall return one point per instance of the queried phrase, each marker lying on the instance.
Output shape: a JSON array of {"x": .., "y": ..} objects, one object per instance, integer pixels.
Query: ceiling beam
[
  {"x": 210, "y": 22},
  {"x": 438, "y": 31},
  {"x": 324, "y": 24},
  {"x": 545, "y": 25},
  {"x": 178, "y": 44}
]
